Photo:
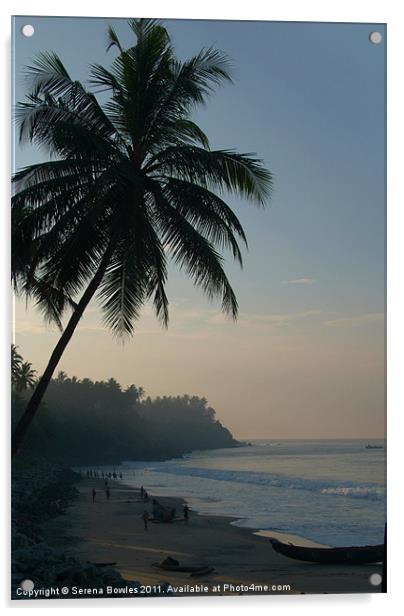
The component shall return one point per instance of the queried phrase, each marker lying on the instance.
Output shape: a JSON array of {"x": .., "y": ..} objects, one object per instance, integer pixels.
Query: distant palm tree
[
  {"x": 113, "y": 384},
  {"x": 26, "y": 377},
  {"x": 16, "y": 363},
  {"x": 61, "y": 377},
  {"x": 129, "y": 186},
  {"x": 136, "y": 393}
]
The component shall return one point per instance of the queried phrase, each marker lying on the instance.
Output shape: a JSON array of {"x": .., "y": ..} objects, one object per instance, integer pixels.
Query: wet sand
[{"x": 113, "y": 531}]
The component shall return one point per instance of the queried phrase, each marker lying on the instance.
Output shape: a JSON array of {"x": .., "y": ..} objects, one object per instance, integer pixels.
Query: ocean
[{"x": 332, "y": 492}]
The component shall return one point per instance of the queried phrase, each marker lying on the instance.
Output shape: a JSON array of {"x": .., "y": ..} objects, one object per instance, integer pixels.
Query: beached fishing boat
[
  {"x": 170, "y": 564},
  {"x": 355, "y": 555}
]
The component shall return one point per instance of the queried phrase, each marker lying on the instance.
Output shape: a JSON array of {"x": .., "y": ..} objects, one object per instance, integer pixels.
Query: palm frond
[
  {"x": 188, "y": 85},
  {"x": 136, "y": 273},
  {"x": 143, "y": 28},
  {"x": 47, "y": 74},
  {"x": 220, "y": 169},
  {"x": 72, "y": 125},
  {"x": 51, "y": 301},
  {"x": 123, "y": 290},
  {"x": 207, "y": 213},
  {"x": 182, "y": 131},
  {"x": 113, "y": 40},
  {"x": 194, "y": 253}
]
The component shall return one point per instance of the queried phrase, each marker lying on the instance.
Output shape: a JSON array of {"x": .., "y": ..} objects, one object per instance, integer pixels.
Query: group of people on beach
[
  {"x": 143, "y": 494},
  {"x": 160, "y": 513},
  {"x": 98, "y": 475},
  {"x": 106, "y": 488},
  {"x": 107, "y": 493}
]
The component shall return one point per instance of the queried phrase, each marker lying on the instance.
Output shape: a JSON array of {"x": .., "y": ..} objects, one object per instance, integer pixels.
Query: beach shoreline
[{"x": 112, "y": 531}]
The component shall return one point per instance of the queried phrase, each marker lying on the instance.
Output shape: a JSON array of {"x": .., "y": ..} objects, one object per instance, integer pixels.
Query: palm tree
[
  {"x": 131, "y": 184},
  {"x": 26, "y": 377},
  {"x": 16, "y": 363},
  {"x": 135, "y": 393},
  {"x": 61, "y": 377},
  {"x": 113, "y": 384}
]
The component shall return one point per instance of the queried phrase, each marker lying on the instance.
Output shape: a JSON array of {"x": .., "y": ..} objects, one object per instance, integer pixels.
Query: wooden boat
[
  {"x": 171, "y": 564},
  {"x": 354, "y": 555},
  {"x": 162, "y": 513}
]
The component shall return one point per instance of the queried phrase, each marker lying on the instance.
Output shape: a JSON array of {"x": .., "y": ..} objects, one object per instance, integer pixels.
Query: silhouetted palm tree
[
  {"x": 61, "y": 377},
  {"x": 135, "y": 393},
  {"x": 16, "y": 363},
  {"x": 26, "y": 377},
  {"x": 130, "y": 185}
]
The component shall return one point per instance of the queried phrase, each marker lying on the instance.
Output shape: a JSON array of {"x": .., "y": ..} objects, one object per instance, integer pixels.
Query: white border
[{"x": 370, "y": 11}]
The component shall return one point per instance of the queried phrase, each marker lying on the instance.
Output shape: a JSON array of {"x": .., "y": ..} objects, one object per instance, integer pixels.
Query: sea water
[{"x": 330, "y": 492}]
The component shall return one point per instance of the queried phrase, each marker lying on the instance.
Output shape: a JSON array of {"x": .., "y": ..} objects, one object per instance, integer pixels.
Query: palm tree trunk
[{"x": 35, "y": 400}]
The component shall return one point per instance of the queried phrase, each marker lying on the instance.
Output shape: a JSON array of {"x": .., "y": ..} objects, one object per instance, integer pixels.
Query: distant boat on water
[{"x": 369, "y": 446}]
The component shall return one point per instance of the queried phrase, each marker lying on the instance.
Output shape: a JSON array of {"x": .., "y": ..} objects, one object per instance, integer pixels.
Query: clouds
[
  {"x": 300, "y": 281},
  {"x": 209, "y": 323},
  {"x": 34, "y": 327},
  {"x": 266, "y": 320},
  {"x": 356, "y": 320},
  {"x": 304, "y": 317}
]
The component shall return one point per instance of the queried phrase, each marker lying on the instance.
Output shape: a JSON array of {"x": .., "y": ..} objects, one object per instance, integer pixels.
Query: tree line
[{"x": 84, "y": 421}]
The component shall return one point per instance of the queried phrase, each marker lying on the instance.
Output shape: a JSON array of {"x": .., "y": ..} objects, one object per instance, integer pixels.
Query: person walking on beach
[
  {"x": 93, "y": 494},
  {"x": 120, "y": 475},
  {"x": 145, "y": 518},
  {"x": 186, "y": 514},
  {"x": 141, "y": 492}
]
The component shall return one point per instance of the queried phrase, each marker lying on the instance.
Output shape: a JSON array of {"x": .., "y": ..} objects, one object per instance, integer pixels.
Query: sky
[{"x": 306, "y": 358}]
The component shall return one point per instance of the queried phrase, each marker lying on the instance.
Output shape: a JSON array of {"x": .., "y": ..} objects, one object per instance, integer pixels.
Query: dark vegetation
[{"x": 87, "y": 422}]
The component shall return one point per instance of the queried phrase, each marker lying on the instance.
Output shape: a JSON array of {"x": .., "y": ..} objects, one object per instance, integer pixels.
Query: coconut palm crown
[{"x": 129, "y": 184}]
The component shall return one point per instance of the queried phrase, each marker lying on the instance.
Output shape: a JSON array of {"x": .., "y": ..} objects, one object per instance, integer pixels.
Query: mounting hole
[
  {"x": 27, "y": 585},
  {"x": 375, "y": 579},
  {"x": 375, "y": 38},
  {"x": 28, "y": 30}
]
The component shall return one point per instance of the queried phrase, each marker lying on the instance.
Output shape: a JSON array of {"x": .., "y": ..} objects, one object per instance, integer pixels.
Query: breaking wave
[
  {"x": 326, "y": 487},
  {"x": 371, "y": 493}
]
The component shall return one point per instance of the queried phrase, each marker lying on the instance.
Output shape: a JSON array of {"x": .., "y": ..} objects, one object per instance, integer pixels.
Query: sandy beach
[{"x": 113, "y": 531}]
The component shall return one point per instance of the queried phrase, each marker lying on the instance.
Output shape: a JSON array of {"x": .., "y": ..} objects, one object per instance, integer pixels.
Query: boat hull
[{"x": 354, "y": 555}]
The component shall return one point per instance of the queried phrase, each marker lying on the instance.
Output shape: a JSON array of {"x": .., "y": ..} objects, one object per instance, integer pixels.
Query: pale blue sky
[{"x": 310, "y": 100}]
